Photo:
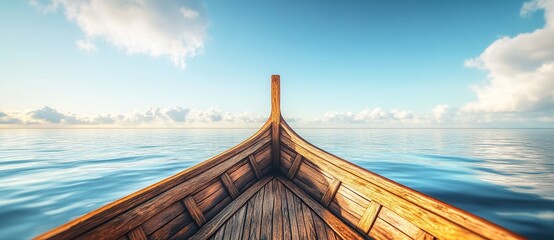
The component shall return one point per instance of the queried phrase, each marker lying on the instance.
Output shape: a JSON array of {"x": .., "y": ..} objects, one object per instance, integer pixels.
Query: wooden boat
[{"x": 276, "y": 185}]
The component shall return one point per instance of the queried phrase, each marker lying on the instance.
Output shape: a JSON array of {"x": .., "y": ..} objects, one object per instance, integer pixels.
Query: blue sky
[{"x": 196, "y": 63}]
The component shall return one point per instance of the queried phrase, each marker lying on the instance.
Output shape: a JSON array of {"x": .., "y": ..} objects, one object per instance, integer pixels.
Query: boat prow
[{"x": 276, "y": 185}]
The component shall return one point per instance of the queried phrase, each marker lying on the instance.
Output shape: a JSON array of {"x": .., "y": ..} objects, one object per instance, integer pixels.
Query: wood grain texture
[
  {"x": 255, "y": 167},
  {"x": 295, "y": 166},
  {"x": 369, "y": 216},
  {"x": 213, "y": 225},
  {"x": 229, "y": 185},
  {"x": 137, "y": 234},
  {"x": 275, "y": 120},
  {"x": 330, "y": 193},
  {"x": 194, "y": 212},
  {"x": 336, "y": 224}
]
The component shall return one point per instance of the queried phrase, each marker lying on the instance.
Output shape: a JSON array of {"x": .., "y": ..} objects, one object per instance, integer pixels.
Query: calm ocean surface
[{"x": 48, "y": 177}]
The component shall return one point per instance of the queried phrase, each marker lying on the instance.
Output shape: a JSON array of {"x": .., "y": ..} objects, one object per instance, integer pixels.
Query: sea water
[{"x": 50, "y": 176}]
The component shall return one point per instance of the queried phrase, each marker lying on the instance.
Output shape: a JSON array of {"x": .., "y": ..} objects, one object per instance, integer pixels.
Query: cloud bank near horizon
[
  {"x": 172, "y": 29},
  {"x": 440, "y": 116}
]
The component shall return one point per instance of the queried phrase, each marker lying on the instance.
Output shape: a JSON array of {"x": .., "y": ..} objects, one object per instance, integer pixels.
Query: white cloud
[
  {"x": 165, "y": 28},
  {"x": 439, "y": 112},
  {"x": 86, "y": 46},
  {"x": 369, "y": 115},
  {"x": 520, "y": 69}
]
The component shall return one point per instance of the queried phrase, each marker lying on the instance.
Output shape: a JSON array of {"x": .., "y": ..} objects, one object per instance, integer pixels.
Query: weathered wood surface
[{"x": 277, "y": 212}]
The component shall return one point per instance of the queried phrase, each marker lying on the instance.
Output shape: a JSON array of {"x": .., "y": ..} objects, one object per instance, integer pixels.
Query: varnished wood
[
  {"x": 194, "y": 211},
  {"x": 330, "y": 193},
  {"x": 275, "y": 119},
  {"x": 255, "y": 167},
  {"x": 294, "y": 167},
  {"x": 137, "y": 234},
  {"x": 370, "y": 214},
  {"x": 213, "y": 225},
  {"x": 229, "y": 185},
  {"x": 337, "y": 225}
]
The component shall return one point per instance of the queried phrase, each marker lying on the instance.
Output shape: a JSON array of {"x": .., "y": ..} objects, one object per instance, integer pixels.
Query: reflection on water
[{"x": 48, "y": 177}]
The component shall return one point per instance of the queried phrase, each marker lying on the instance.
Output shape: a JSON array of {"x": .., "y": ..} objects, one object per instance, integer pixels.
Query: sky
[{"x": 190, "y": 63}]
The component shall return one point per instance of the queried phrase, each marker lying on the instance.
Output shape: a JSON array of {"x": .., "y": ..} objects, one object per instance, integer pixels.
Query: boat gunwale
[
  {"x": 94, "y": 218},
  {"x": 431, "y": 204}
]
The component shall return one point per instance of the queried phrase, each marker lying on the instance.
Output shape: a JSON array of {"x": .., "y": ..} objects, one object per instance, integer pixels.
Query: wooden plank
[
  {"x": 422, "y": 235},
  {"x": 398, "y": 222},
  {"x": 319, "y": 226},
  {"x": 195, "y": 213},
  {"x": 172, "y": 227},
  {"x": 213, "y": 225},
  {"x": 303, "y": 233},
  {"x": 230, "y": 226},
  {"x": 137, "y": 234},
  {"x": 291, "y": 207},
  {"x": 163, "y": 217},
  {"x": 255, "y": 167},
  {"x": 241, "y": 169},
  {"x": 219, "y": 234},
  {"x": 346, "y": 216},
  {"x": 345, "y": 191},
  {"x": 383, "y": 230},
  {"x": 350, "y": 206},
  {"x": 239, "y": 223},
  {"x": 275, "y": 119},
  {"x": 185, "y": 232},
  {"x": 336, "y": 224},
  {"x": 263, "y": 157},
  {"x": 243, "y": 180},
  {"x": 308, "y": 222},
  {"x": 256, "y": 216},
  {"x": 285, "y": 212},
  {"x": 277, "y": 211},
  {"x": 330, "y": 233},
  {"x": 126, "y": 213},
  {"x": 213, "y": 199},
  {"x": 330, "y": 193},
  {"x": 250, "y": 206},
  {"x": 229, "y": 185},
  {"x": 217, "y": 208},
  {"x": 370, "y": 214},
  {"x": 207, "y": 190},
  {"x": 437, "y": 218},
  {"x": 295, "y": 165},
  {"x": 267, "y": 212}
]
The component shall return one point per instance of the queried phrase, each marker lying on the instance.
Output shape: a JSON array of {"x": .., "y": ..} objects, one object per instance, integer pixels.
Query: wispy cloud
[
  {"x": 170, "y": 28},
  {"x": 520, "y": 69}
]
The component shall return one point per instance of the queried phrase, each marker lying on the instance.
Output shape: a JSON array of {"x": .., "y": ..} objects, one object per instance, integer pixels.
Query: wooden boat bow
[{"x": 276, "y": 185}]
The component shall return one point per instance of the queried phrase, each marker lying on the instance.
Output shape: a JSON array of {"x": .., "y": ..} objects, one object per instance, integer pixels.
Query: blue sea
[{"x": 50, "y": 176}]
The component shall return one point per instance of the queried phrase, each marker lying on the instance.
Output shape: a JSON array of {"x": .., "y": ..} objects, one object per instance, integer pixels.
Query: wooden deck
[{"x": 276, "y": 210}]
